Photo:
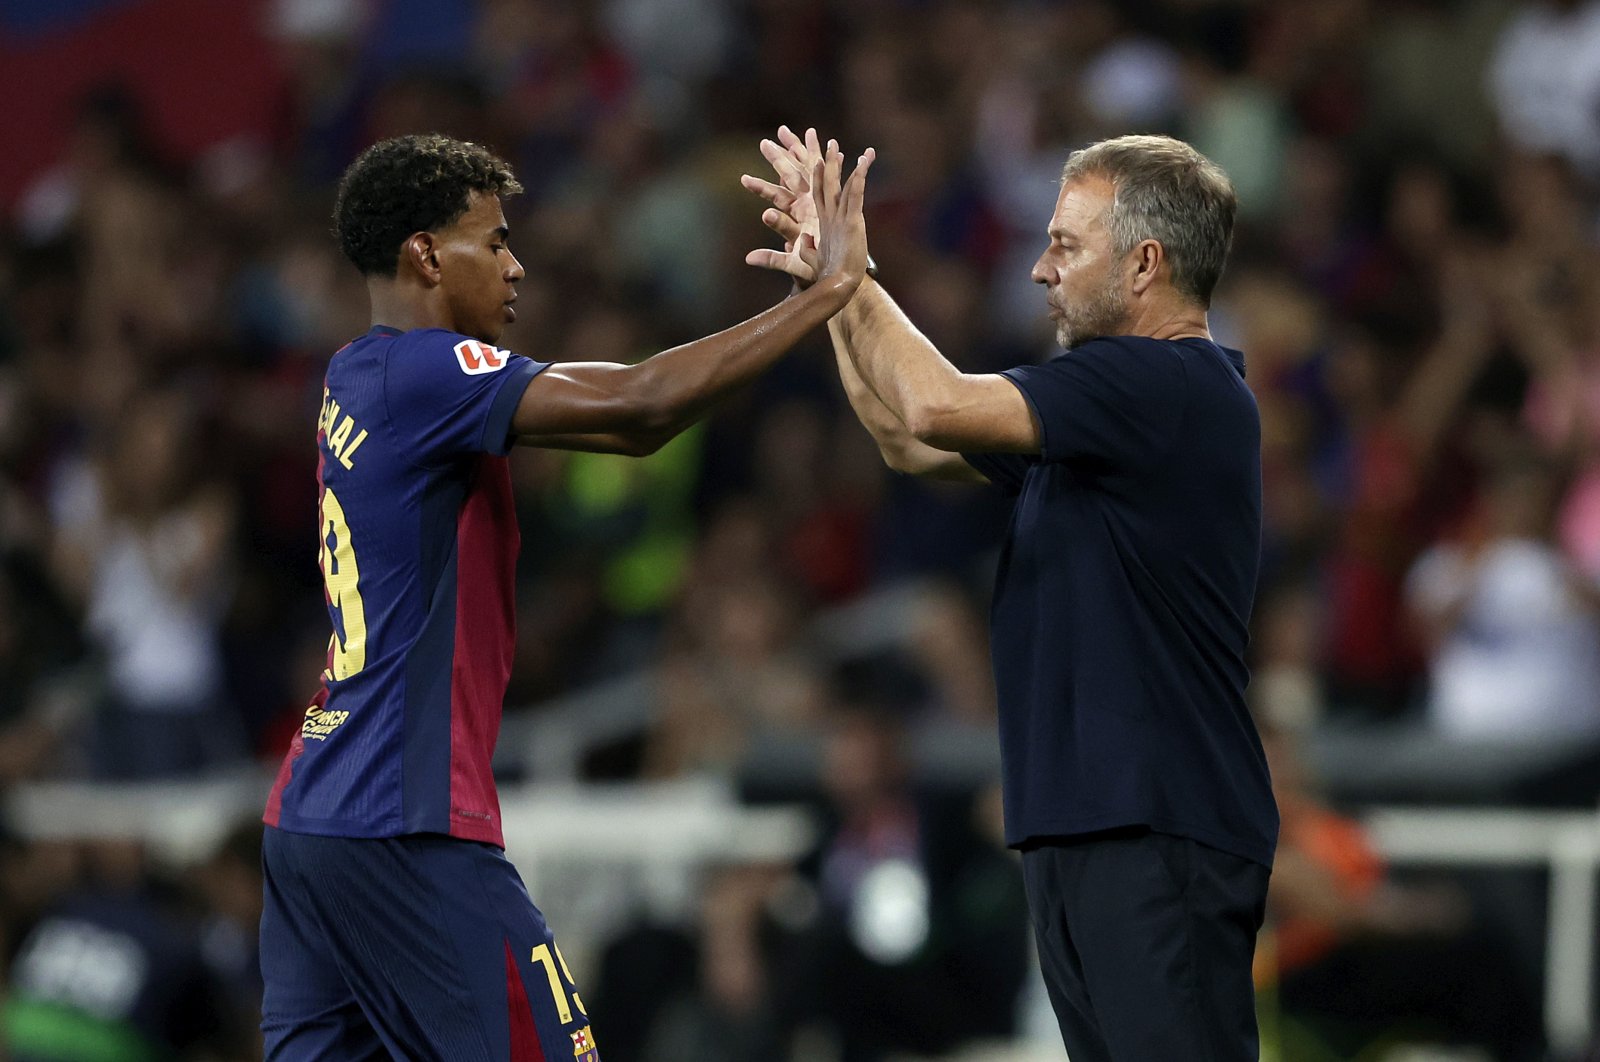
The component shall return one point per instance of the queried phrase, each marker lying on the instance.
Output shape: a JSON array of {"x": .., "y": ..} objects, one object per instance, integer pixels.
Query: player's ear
[
  {"x": 421, "y": 252},
  {"x": 1146, "y": 261}
]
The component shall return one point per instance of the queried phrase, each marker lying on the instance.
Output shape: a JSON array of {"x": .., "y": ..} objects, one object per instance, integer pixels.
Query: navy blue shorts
[
  {"x": 422, "y": 947},
  {"x": 1146, "y": 942}
]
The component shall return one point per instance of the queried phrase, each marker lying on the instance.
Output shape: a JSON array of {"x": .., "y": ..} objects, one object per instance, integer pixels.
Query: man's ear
[
  {"x": 1147, "y": 260},
  {"x": 421, "y": 253}
]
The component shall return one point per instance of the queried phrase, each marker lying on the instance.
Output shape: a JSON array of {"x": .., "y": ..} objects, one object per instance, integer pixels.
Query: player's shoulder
[{"x": 434, "y": 350}]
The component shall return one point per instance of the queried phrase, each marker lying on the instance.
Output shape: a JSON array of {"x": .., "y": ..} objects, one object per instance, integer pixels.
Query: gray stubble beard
[{"x": 1101, "y": 315}]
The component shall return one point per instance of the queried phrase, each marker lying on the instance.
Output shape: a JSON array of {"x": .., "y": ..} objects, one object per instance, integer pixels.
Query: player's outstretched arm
[
  {"x": 794, "y": 219},
  {"x": 939, "y": 405},
  {"x": 594, "y": 404}
]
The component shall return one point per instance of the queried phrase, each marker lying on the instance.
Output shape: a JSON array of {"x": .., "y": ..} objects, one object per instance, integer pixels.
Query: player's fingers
[
  {"x": 836, "y": 163},
  {"x": 813, "y": 145},
  {"x": 857, "y": 194},
  {"x": 819, "y": 188},
  {"x": 787, "y": 138}
]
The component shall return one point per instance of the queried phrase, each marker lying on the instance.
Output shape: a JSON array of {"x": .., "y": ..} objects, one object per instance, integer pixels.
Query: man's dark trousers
[{"x": 1146, "y": 941}]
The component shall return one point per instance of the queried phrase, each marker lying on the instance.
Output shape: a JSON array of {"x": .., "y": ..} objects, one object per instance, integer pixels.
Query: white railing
[
  {"x": 593, "y": 855},
  {"x": 1568, "y": 843}
]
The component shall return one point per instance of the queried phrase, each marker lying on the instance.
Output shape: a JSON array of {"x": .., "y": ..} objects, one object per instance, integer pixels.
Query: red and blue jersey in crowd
[{"x": 418, "y": 548}]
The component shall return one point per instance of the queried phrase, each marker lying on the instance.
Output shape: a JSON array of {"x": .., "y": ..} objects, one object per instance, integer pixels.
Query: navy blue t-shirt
[{"x": 1122, "y": 602}]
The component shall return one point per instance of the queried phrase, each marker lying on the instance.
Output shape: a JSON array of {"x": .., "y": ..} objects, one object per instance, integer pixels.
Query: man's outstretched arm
[
  {"x": 901, "y": 450},
  {"x": 941, "y": 407}
]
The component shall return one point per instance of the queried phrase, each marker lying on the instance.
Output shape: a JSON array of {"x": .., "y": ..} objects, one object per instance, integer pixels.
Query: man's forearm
[
  {"x": 876, "y": 417},
  {"x": 901, "y": 450},
  {"x": 895, "y": 360}
]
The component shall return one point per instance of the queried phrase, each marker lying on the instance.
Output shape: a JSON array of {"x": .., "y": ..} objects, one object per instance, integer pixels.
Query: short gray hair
[{"x": 1165, "y": 191}]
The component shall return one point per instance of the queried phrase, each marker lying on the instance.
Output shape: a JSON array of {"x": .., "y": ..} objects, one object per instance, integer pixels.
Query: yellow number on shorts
[
  {"x": 341, "y": 576},
  {"x": 541, "y": 955}
]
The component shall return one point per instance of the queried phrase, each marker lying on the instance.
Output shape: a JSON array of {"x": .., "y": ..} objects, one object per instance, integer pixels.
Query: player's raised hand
[{"x": 841, "y": 247}]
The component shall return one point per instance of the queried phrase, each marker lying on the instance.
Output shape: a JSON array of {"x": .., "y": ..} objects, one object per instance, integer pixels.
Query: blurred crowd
[{"x": 1415, "y": 282}]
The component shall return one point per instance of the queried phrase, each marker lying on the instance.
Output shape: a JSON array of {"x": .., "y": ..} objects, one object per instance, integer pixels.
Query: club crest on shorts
[
  {"x": 477, "y": 358},
  {"x": 583, "y": 1045}
]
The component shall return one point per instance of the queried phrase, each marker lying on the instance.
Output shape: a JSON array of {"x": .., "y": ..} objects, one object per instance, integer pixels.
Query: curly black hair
[{"x": 410, "y": 184}]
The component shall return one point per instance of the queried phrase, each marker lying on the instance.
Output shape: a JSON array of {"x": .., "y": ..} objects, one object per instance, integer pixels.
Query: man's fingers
[
  {"x": 787, "y": 138},
  {"x": 777, "y": 195},
  {"x": 807, "y": 153},
  {"x": 774, "y": 154},
  {"x": 766, "y": 258},
  {"x": 783, "y": 164},
  {"x": 819, "y": 188},
  {"x": 782, "y": 224},
  {"x": 806, "y": 248},
  {"x": 799, "y": 163}
]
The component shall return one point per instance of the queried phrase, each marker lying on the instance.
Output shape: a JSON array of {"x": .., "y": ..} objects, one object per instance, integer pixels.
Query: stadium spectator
[
  {"x": 112, "y": 969},
  {"x": 145, "y": 544},
  {"x": 1513, "y": 629},
  {"x": 1545, "y": 80}
]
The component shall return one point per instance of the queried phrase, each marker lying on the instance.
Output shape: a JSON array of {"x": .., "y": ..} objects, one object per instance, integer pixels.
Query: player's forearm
[
  {"x": 898, "y": 363},
  {"x": 685, "y": 381},
  {"x": 631, "y": 444}
]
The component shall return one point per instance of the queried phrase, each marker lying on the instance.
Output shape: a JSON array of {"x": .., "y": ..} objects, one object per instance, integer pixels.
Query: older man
[{"x": 1135, "y": 784}]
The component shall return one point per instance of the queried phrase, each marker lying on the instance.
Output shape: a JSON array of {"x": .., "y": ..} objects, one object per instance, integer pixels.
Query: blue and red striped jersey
[{"x": 418, "y": 549}]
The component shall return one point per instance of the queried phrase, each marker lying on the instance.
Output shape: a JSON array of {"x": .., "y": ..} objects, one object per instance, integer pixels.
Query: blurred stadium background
[{"x": 749, "y": 752}]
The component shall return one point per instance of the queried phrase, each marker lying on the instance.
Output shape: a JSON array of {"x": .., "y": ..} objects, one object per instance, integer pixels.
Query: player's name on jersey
[{"x": 336, "y": 428}]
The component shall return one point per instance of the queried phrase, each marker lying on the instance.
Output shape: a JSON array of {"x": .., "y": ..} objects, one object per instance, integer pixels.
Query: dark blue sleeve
[
  {"x": 1006, "y": 471},
  {"x": 449, "y": 395},
  {"x": 1112, "y": 404}
]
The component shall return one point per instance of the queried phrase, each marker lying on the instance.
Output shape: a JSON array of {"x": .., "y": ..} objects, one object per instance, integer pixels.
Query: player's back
[{"x": 417, "y": 542}]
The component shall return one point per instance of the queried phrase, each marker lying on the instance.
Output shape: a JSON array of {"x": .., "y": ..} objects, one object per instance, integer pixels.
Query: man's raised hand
[{"x": 792, "y": 214}]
